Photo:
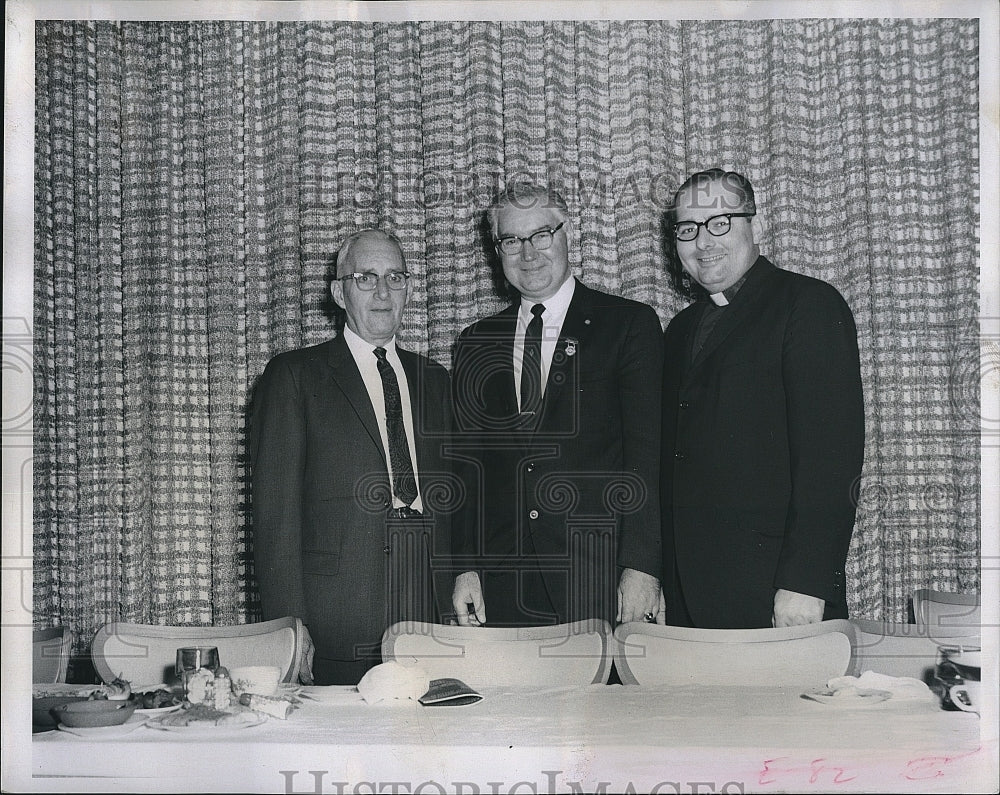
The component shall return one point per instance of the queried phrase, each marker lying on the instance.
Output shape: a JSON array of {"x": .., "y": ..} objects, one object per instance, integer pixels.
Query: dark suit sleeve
[
  {"x": 825, "y": 411},
  {"x": 465, "y": 521},
  {"x": 440, "y": 401},
  {"x": 673, "y": 340},
  {"x": 277, "y": 456},
  {"x": 640, "y": 375}
]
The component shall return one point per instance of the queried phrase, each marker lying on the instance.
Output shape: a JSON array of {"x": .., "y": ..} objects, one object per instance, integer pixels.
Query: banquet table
[{"x": 517, "y": 740}]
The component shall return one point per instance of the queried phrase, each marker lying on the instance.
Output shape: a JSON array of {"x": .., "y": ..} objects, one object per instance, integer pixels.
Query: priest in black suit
[
  {"x": 557, "y": 412},
  {"x": 763, "y": 425},
  {"x": 346, "y": 448}
]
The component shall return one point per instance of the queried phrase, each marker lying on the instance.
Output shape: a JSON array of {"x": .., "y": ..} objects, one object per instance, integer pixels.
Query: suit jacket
[
  {"x": 763, "y": 440},
  {"x": 556, "y": 501},
  {"x": 323, "y": 547}
]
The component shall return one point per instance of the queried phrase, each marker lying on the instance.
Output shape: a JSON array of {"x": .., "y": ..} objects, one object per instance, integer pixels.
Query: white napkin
[
  {"x": 391, "y": 682},
  {"x": 903, "y": 688}
]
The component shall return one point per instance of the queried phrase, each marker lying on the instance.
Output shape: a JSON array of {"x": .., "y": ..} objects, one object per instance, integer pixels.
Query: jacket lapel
[
  {"x": 572, "y": 341},
  {"x": 346, "y": 375},
  {"x": 507, "y": 325},
  {"x": 733, "y": 317}
]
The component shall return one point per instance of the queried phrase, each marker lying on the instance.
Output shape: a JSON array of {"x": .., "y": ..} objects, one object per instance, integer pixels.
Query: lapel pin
[{"x": 586, "y": 321}]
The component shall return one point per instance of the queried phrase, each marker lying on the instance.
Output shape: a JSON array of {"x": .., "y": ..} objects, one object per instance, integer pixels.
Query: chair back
[
  {"x": 944, "y": 613},
  {"x": 578, "y": 653},
  {"x": 50, "y": 649},
  {"x": 145, "y": 654},
  {"x": 901, "y": 649},
  {"x": 803, "y": 656}
]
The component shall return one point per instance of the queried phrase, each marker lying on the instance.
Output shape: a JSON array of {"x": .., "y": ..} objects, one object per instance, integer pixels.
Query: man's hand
[
  {"x": 468, "y": 590},
  {"x": 306, "y": 658},
  {"x": 639, "y": 593},
  {"x": 793, "y": 609}
]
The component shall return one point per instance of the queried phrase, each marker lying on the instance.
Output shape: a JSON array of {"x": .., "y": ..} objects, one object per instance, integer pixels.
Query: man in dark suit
[
  {"x": 763, "y": 425},
  {"x": 346, "y": 452},
  {"x": 557, "y": 408}
]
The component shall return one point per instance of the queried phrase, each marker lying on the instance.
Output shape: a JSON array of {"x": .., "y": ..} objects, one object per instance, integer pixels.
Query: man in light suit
[
  {"x": 346, "y": 452},
  {"x": 763, "y": 425},
  {"x": 557, "y": 411}
]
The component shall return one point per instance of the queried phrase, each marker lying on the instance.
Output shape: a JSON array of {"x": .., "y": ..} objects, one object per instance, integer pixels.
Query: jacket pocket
[
  {"x": 322, "y": 538},
  {"x": 770, "y": 524}
]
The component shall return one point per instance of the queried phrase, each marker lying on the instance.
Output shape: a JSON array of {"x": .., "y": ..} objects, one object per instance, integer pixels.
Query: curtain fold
[{"x": 194, "y": 180}]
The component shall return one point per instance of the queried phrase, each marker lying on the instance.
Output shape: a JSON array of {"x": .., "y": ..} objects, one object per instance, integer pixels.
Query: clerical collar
[{"x": 726, "y": 296}]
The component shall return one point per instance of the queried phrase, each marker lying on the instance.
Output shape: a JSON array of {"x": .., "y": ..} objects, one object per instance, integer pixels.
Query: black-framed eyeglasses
[
  {"x": 540, "y": 240},
  {"x": 394, "y": 280},
  {"x": 717, "y": 225}
]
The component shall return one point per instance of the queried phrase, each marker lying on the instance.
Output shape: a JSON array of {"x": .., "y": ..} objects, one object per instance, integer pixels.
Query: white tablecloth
[{"x": 689, "y": 739}]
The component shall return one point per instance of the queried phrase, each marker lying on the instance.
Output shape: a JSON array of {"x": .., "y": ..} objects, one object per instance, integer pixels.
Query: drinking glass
[{"x": 192, "y": 658}]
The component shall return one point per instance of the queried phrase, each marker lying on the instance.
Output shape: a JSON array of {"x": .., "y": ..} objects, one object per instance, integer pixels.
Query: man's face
[
  {"x": 536, "y": 275},
  {"x": 716, "y": 263},
  {"x": 374, "y": 316}
]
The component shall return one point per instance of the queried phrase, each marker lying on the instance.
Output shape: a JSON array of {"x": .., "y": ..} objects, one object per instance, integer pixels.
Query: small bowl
[
  {"x": 42, "y": 716},
  {"x": 91, "y": 714}
]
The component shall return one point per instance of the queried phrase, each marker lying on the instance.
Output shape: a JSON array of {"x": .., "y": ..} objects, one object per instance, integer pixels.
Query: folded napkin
[
  {"x": 391, "y": 682},
  {"x": 901, "y": 688}
]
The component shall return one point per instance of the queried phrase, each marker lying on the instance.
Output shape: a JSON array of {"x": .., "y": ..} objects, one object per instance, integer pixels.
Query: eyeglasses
[
  {"x": 394, "y": 280},
  {"x": 717, "y": 226},
  {"x": 539, "y": 240}
]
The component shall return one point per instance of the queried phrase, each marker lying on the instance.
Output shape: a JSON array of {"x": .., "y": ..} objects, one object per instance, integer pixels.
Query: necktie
[
  {"x": 531, "y": 363},
  {"x": 404, "y": 484}
]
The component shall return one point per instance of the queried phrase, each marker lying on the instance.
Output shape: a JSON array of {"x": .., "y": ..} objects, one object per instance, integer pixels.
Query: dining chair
[
  {"x": 50, "y": 650},
  {"x": 901, "y": 649},
  {"x": 944, "y": 612},
  {"x": 146, "y": 653},
  {"x": 809, "y": 655},
  {"x": 577, "y": 653}
]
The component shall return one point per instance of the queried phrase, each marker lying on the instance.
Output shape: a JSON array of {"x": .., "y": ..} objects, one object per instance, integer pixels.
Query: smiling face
[
  {"x": 536, "y": 275},
  {"x": 716, "y": 263},
  {"x": 374, "y": 316}
]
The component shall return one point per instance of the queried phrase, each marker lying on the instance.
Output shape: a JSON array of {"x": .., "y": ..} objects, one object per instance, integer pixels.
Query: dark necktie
[
  {"x": 531, "y": 363},
  {"x": 404, "y": 484}
]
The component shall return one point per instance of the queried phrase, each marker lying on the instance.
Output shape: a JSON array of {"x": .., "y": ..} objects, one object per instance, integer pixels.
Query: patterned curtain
[{"x": 193, "y": 181}]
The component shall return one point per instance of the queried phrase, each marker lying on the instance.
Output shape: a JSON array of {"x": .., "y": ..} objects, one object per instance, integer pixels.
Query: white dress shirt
[
  {"x": 364, "y": 354},
  {"x": 552, "y": 321}
]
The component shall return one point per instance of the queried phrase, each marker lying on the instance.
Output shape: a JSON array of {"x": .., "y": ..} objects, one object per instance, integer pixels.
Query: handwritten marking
[
  {"x": 924, "y": 767},
  {"x": 787, "y": 766}
]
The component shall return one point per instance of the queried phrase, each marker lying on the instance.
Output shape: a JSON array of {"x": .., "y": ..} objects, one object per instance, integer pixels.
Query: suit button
[
  {"x": 387, "y": 549},
  {"x": 678, "y": 455},
  {"x": 533, "y": 514},
  {"x": 684, "y": 404}
]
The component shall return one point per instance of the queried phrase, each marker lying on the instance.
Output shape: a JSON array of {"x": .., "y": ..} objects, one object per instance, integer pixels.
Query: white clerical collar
[
  {"x": 726, "y": 296},
  {"x": 361, "y": 348},
  {"x": 555, "y": 305}
]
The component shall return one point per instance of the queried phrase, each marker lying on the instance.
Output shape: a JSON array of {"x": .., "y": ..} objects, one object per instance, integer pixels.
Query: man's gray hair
[
  {"x": 345, "y": 248},
  {"x": 525, "y": 195}
]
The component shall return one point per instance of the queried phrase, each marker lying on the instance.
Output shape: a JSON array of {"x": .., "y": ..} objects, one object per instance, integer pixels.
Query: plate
[
  {"x": 159, "y": 710},
  {"x": 61, "y": 689},
  {"x": 106, "y": 732},
  {"x": 204, "y": 729},
  {"x": 858, "y": 696}
]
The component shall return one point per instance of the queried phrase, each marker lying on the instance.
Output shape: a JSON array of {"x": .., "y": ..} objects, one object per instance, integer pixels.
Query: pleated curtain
[{"x": 195, "y": 179}]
